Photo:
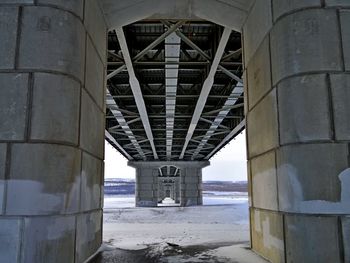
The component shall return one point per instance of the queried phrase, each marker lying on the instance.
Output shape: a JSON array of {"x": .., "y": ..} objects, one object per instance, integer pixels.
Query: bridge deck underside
[{"x": 220, "y": 120}]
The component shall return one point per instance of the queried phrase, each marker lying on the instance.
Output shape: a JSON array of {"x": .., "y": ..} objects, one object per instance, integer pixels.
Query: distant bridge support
[{"x": 186, "y": 177}]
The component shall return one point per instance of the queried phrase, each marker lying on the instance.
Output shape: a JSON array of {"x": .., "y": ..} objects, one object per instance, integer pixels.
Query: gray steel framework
[{"x": 174, "y": 90}]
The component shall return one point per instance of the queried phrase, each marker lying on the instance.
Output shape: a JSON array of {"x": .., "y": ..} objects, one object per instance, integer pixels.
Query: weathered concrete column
[
  {"x": 146, "y": 190},
  {"x": 191, "y": 183},
  {"x": 297, "y": 60},
  {"x": 190, "y": 192},
  {"x": 52, "y": 67},
  {"x": 161, "y": 193}
]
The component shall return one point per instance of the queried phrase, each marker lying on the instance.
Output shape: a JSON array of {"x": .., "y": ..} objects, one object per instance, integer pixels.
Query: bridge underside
[
  {"x": 189, "y": 73},
  {"x": 53, "y": 61}
]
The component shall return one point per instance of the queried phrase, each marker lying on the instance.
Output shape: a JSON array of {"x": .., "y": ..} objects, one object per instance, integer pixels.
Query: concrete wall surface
[
  {"x": 52, "y": 75},
  {"x": 297, "y": 82}
]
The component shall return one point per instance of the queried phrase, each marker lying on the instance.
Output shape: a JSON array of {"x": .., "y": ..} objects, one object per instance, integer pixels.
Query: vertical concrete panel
[
  {"x": 291, "y": 51},
  {"x": 8, "y": 33},
  {"x": 10, "y": 235},
  {"x": 312, "y": 239},
  {"x": 281, "y": 7},
  {"x": 345, "y": 32},
  {"x": 250, "y": 184},
  {"x": 96, "y": 27},
  {"x": 312, "y": 178},
  {"x": 146, "y": 187},
  {"x": 88, "y": 235},
  {"x": 91, "y": 139},
  {"x": 258, "y": 24},
  {"x": 304, "y": 109},
  {"x": 90, "y": 183},
  {"x": 102, "y": 185},
  {"x": 340, "y": 3},
  {"x": 267, "y": 235},
  {"x": 49, "y": 239},
  {"x": 94, "y": 77},
  {"x": 263, "y": 126},
  {"x": 3, "y": 149},
  {"x": 16, "y": 1},
  {"x": 191, "y": 192},
  {"x": 13, "y": 105},
  {"x": 245, "y": 92},
  {"x": 346, "y": 238},
  {"x": 265, "y": 181},
  {"x": 75, "y": 6},
  {"x": 52, "y": 39},
  {"x": 259, "y": 73},
  {"x": 55, "y": 110},
  {"x": 341, "y": 96},
  {"x": 46, "y": 183}
]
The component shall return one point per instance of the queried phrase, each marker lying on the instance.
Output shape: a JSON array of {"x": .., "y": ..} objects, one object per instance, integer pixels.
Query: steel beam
[
  {"x": 113, "y": 141},
  {"x": 177, "y": 96},
  {"x": 214, "y": 134},
  {"x": 116, "y": 72},
  {"x": 128, "y": 122},
  {"x": 161, "y": 63},
  {"x": 136, "y": 89},
  {"x": 224, "y": 108},
  {"x": 232, "y": 134},
  {"x": 115, "y": 107},
  {"x": 172, "y": 54},
  {"x": 213, "y": 122},
  {"x": 110, "y": 52},
  {"x": 189, "y": 42},
  {"x": 110, "y": 102},
  {"x": 208, "y": 83},
  {"x": 230, "y": 74},
  {"x": 230, "y": 102},
  {"x": 159, "y": 40},
  {"x": 232, "y": 54}
]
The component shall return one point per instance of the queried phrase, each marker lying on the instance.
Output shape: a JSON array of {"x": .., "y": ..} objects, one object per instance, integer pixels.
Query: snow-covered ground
[{"x": 215, "y": 232}]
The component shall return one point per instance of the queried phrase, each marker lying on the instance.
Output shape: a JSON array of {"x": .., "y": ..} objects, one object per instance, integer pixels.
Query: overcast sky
[{"x": 227, "y": 165}]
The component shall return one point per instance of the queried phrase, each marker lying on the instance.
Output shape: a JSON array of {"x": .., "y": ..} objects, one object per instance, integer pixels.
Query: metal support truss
[
  {"x": 231, "y": 135},
  {"x": 172, "y": 54},
  {"x": 111, "y": 104},
  {"x": 208, "y": 83},
  {"x": 231, "y": 101},
  {"x": 136, "y": 89}
]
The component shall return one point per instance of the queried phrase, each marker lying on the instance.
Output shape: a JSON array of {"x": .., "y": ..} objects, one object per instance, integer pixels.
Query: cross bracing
[{"x": 178, "y": 89}]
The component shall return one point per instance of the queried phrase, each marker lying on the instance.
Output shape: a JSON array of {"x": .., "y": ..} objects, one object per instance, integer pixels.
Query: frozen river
[
  {"x": 209, "y": 198},
  {"x": 218, "y": 231}
]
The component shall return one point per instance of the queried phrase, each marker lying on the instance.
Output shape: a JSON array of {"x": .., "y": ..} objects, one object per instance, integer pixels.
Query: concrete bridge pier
[
  {"x": 297, "y": 60},
  {"x": 190, "y": 182},
  {"x": 52, "y": 102}
]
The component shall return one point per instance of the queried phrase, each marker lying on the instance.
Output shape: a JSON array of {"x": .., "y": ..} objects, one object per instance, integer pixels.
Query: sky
[{"x": 229, "y": 164}]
